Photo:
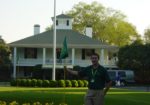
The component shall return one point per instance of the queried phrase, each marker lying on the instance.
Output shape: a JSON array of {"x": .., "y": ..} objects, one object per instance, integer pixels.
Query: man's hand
[{"x": 72, "y": 71}]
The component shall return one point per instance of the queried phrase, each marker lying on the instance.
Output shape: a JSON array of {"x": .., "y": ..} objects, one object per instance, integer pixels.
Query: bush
[
  {"x": 74, "y": 83},
  {"x": 85, "y": 83},
  {"x": 61, "y": 83},
  {"x": 81, "y": 83},
  {"x": 28, "y": 83},
  {"x": 46, "y": 83},
  {"x": 18, "y": 82},
  {"x": 23, "y": 82},
  {"x": 53, "y": 83},
  {"x": 39, "y": 83},
  {"x": 33, "y": 82},
  {"x": 13, "y": 83},
  {"x": 68, "y": 83}
]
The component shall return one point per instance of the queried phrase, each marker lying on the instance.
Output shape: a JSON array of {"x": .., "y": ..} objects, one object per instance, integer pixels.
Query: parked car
[{"x": 126, "y": 76}]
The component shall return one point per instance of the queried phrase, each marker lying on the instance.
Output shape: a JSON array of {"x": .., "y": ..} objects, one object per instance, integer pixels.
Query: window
[
  {"x": 87, "y": 52},
  {"x": 67, "y": 22},
  {"x": 56, "y": 22},
  {"x": 122, "y": 73},
  {"x": 112, "y": 75},
  {"x": 58, "y": 51},
  {"x": 83, "y": 54},
  {"x": 30, "y": 53}
]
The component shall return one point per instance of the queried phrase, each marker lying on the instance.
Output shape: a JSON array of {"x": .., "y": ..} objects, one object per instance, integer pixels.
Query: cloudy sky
[{"x": 17, "y": 17}]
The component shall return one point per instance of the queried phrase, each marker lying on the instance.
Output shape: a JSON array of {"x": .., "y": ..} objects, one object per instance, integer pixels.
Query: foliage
[
  {"x": 49, "y": 83},
  {"x": 61, "y": 83},
  {"x": 80, "y": 83},
  {"x": 5, "y": 61},
  {"x": 53, "y": 83},
  {"x": 137, "y": 58},
  {"x": 23, "y": 82},
  {"x": 105, "y": 22},
  {"x": 68, "y": 83},
  {"x": 46, "y": 83},
  {"x": 29, "y": 83},
  {"x": 147, "y": 35},
  {"x": 33, "y": 82},
  {"x": 39, "y": 83},
  {"x": 85, "y": 83},
  {"x": 74, "y": 83}
]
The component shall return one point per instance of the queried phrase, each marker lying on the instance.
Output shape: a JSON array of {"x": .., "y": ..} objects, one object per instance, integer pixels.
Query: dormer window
[
  {"x": 67, "y": 22},
  {"x": 63, "y": 22}
]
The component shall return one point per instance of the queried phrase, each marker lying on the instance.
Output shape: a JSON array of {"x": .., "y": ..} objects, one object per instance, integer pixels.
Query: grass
[{"x": 71, "y": 96}]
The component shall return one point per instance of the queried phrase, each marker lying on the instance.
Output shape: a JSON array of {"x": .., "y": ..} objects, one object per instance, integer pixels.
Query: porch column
[
  {"x": 15, "y": 61},
  {"x": 102, "y": 57},
  {"x": 73, "y": 56},
  {"x": 44, "y": 56}
]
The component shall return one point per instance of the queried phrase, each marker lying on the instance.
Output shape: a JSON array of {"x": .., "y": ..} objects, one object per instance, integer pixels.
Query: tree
[
  {"x": 136, "y": 57},
  {"x": 108, "y": 25},
  {"x": 147, "y": 35},
  {"x": 4, "y": 55}
]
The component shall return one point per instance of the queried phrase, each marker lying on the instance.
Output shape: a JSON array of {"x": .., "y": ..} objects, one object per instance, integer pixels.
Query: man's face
[{"x": 94, "y": 59}]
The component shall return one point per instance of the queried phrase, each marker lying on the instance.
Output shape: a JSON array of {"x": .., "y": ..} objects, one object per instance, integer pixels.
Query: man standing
[{"x": 99, "y": 81}]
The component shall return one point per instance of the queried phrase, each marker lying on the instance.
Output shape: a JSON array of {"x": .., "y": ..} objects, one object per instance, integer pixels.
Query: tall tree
[
  {"x": 108, "y": 25},
  {"x": 136, "y": 57},
  {"x": 4, "y": 55},
  {"x": 147, "y": 35}
]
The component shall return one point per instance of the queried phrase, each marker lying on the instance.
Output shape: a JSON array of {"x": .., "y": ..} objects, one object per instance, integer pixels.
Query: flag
[{"x": 64, "y": 51}]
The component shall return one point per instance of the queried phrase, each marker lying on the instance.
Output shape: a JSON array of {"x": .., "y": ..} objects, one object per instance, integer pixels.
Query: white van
[{"x": 126, "y": 76}]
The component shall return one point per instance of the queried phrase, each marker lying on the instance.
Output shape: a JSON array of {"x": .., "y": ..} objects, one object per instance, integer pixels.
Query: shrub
[
  {"x": 61, "y": 83},
  {"x": 33, "y": 82},
  {"x": 29, "y": 83},
  {"x": 13, "y": 83},
  {"x": 85, "y": 83},
  {"x": 81, "y": 83},
  {"x": 18, "y": 82},
  {"x": 68, "y": 83},
  {"x": 23, "y": 82},
  {"x": 74, "y": 83},
  {"x": 53, "y": 83},
  {"x": 3, "y": 103},
  {"x": 46, "y": 83},
  {"x": 39, "y": 83}
]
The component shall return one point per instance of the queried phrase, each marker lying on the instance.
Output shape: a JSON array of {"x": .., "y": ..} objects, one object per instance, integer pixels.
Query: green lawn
[{"x": 71, "y": 96}]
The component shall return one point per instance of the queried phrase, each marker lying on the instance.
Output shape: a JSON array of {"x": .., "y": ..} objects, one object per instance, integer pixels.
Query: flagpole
[{"x": 54, "y": 42}]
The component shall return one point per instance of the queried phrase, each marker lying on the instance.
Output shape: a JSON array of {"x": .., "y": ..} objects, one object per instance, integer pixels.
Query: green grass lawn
[{"x": 71, "y": 96}]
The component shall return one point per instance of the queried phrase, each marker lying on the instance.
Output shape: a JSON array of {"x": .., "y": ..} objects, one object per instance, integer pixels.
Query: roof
[
  {"x": 74, "y": 40},
  {"x": 63, "y": 16}
]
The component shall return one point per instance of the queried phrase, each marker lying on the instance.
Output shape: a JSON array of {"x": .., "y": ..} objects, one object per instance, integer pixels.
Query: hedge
[{"x": 49, "y": 83}]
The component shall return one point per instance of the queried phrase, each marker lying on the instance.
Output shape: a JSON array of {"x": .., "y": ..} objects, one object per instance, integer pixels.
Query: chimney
[
  {"x": 36, "y": 29},
  {"x": 88, "y": 31}
]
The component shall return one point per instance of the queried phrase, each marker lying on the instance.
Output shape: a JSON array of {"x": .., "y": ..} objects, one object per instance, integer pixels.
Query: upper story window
[
  {"x": 67, "y": 22},
  {"x": 30, "y": 53}
]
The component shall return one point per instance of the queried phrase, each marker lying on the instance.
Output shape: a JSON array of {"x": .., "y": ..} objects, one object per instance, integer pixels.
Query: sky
[{"x": 17, "y": 17}]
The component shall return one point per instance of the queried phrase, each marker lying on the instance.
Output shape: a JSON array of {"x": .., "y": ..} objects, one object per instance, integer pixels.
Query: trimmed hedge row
[{"x": 49, "y": 83}]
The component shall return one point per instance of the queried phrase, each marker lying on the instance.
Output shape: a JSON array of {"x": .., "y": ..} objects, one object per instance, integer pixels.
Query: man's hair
[{"x": 95, "y": 54}]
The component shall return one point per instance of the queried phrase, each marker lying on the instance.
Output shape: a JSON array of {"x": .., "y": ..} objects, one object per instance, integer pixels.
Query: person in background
[
  {"x": 98, "y": 81},
  {"x": 118, "y": 80}
]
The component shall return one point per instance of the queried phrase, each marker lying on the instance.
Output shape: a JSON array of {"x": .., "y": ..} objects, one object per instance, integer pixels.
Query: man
[{"x": 99, "y": 81}]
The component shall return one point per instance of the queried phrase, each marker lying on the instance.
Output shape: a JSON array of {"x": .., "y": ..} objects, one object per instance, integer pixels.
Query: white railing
[{"x": 33, "y": 62}]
